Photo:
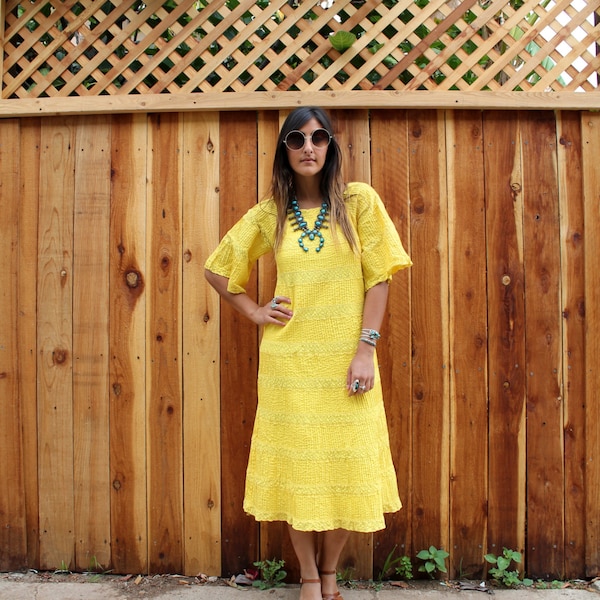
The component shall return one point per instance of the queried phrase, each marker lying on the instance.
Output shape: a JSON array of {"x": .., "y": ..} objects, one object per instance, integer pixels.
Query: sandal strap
[
  {"x": 302, "y": 580},
  {"x": 337, "y": 595}
]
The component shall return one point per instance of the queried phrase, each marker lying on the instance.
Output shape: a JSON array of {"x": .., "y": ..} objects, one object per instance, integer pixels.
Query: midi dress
[{"x": 319, "y": 459}]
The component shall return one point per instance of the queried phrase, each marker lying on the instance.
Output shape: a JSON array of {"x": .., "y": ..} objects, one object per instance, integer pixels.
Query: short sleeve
[
  {"x": 382, "y": 252},
  {"x": 249, "y": 239}
]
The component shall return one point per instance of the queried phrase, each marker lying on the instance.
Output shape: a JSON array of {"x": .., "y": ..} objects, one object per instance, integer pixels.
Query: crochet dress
[{"x": 319, "y": 459}]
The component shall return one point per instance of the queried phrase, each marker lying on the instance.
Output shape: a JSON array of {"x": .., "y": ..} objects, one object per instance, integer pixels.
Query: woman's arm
[
  {"x": 362, "y": 367},
  {"x": 261, "y": 315}
]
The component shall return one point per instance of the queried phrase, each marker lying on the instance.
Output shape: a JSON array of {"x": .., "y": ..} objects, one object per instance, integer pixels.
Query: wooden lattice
[{"x": 81, "y": 48}]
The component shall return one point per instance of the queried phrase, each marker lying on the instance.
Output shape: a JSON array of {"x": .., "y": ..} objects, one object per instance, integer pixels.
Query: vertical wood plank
[
  {"x": 352, "y": 133},
  {"x": 13, "y": 528},
  {"x": 545, "y": 471},
  {"x": 128, "y": 479},
  {"x": 468, "y": 343},
  {"x": 90, "y": 342},
  {"x": 430, "y": 393},
  {"x": 506, "y": 332},
  {"x": 29, "y": 189},
  {"x": 201, "y": 391},
  {"x": 55, "y": 343},
  {"x": 239, "y": 353},
  {"x": 163, "y": 344},
  {"x": 389, "y": 165},
  {"x": 571, "y": 210},
  {"x": 590, "y": 127}
]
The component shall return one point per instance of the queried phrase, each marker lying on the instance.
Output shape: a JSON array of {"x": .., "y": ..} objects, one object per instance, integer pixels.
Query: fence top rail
[
  {"x": 31, "y": 107},
  {"x": 241, "y": 52}
]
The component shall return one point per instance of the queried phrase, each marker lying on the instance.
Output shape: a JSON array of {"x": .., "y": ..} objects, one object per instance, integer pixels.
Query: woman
[{"x": 320, "y": 458}]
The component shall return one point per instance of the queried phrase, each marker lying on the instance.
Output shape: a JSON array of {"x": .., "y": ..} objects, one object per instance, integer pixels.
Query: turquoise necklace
[{"x": 299, "y": 224}]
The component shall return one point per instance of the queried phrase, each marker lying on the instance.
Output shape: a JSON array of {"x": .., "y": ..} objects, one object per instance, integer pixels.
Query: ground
[{"x": 149, "y": 586}]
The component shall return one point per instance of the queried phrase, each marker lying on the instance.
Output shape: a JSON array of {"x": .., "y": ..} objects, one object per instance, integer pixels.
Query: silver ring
[
  {"x": 274, "y": 303},
  {"x": 355, "y": 385},
  {"x": 363, "y": 387}
]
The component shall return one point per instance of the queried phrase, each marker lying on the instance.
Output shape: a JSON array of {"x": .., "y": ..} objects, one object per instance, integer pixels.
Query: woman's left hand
[{"x": 361, "y": 369}]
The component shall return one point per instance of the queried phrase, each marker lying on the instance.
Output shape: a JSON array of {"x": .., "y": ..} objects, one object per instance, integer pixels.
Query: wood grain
[
  {"x": 545, "y": 446},
  {"x": 29, "y": 189},
  {"x": 201, "y": 317},
  {"x": 127, "y": 372},
  {"x": 55, "y": 344},
  {"x": 572, "y": 232},
  {"x": 590, "y": 128},
  {"x": 91, "y": 343},
  {"x": 13, "y": 529},
  {"x": 164, "y": 403},
  {"x": 506, "y": 332},
  {"x": 468, "y": 345},
  {"x": 430, "y": 351}
]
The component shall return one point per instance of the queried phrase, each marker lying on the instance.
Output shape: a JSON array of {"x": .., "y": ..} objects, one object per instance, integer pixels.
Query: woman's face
[{"x": 309, "y": 160}]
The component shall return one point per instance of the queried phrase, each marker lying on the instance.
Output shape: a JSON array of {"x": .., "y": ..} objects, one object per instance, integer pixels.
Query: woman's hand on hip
[{"x": 274, "y": 312}]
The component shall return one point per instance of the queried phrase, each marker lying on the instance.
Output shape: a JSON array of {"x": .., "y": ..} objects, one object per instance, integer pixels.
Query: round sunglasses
[{"x": 295, "y": 140}]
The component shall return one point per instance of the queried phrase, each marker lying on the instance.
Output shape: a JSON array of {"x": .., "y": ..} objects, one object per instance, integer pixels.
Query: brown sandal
[
  {"x": 303, "y": 581},
  {"x": 337, "y": 595}
]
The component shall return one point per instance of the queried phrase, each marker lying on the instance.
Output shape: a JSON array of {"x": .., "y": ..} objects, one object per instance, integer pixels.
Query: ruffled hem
[{"x": 370, "y": 526}]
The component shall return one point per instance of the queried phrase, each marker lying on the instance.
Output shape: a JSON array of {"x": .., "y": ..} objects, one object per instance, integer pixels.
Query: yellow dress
[{"x": 319, "y": 459}]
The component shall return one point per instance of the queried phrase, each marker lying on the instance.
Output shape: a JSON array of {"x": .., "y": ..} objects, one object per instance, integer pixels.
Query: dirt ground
[{"x": 150, "y": 586}]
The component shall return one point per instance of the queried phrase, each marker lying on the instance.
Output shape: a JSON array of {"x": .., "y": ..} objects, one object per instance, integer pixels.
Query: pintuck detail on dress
[{"x": 319, "y": 459}]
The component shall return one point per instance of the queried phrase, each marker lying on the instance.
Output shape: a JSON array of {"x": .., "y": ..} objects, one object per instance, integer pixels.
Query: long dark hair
[{"x": 331, "y": 184}]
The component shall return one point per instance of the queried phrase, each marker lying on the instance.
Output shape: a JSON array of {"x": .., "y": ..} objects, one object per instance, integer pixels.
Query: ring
[
  {"x": 363, "y": 387},
  {"x": 274, "y": 303},
  {"x": 355, "y": 385}
]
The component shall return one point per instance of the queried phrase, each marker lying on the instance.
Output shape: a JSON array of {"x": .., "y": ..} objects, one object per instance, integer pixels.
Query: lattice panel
[{"x": 68, "y": 48}]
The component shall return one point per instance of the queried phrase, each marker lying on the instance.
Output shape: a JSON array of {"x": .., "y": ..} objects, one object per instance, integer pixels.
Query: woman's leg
[
  {"x": 332, "y": 544},
  {"x": 305, "y": 547}
]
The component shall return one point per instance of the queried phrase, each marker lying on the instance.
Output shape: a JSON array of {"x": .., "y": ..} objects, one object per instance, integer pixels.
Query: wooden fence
[
  {"x": 128, "y": 392},
  {"x": 224, "y": 54}
]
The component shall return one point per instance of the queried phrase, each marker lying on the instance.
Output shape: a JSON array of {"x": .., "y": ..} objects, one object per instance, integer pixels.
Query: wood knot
[
  {"x": 419, "y": 207},
  {"x": 116, "y": 485},
  {"x": 187, "y": 256},
  {"x": 506, "y": 280},
  {"x": 132, "y": 279},
  {"x": 59, "y": 356},
  {"x": 116, "y": 389}
]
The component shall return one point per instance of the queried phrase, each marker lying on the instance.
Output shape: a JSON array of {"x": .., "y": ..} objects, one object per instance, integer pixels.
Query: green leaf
[
  {"x": 342, "y": 40},
  {"x": 423, "y": 555},
  {"x": 503, "y": 563},
  {"x": 491, "y": 558}
]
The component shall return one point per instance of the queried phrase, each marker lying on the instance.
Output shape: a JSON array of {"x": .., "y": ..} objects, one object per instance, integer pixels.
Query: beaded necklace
[{"x": 299, "y": 224}]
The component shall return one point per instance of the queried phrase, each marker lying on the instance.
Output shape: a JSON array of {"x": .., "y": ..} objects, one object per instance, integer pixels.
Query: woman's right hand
[{"x": 273, "y": 313}]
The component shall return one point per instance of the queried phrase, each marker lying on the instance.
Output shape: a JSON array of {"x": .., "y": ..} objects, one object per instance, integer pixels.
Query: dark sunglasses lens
[
  {"x": 294, "y": 140},
  {"x": 320, "y": 138}
]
